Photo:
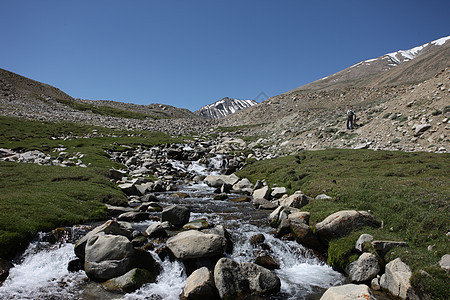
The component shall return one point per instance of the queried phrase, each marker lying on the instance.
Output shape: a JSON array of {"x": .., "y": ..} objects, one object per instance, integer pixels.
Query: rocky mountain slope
[
  {"x": 402, "y": 67},
  {"x": 224, "y": 107},
  {"x": 390, "y": 111},
  {"x": 23, "y": 97}
]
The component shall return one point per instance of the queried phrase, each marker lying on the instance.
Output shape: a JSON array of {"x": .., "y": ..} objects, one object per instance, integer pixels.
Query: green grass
[
  {"x": 409, "y": 192},
  {"x": 39, "y": 198}
]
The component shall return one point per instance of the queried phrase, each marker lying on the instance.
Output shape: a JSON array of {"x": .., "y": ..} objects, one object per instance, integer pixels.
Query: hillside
[
  {"x": 389, "y": 110},
  {"x": 27, "y": 98}
]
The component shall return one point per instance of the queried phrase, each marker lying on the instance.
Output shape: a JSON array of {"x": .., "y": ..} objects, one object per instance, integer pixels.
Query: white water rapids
[{"x": 41, "y": 272}]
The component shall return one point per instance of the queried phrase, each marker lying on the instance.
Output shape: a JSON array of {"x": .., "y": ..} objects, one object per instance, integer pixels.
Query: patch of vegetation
[
  {"x": 436, "y": 112},
  {"x": 37, "y": 198},
  {"x": 387, "y": 115},
  {"x": 409, "y": 192},
  {"x": 341, "y": 252},
  {"x": 106, "y": 110}
]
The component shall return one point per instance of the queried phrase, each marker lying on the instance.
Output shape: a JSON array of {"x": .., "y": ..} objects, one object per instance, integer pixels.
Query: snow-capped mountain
[
  {"x": 224, "y": 107},
  {"x": 372, "y": 72}
]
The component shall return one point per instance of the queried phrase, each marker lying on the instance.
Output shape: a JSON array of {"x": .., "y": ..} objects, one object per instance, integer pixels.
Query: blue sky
[{"x": 192, "y": 53}]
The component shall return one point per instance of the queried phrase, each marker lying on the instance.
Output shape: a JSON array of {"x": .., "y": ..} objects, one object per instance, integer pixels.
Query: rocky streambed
[{"x": 191, "y": 231}]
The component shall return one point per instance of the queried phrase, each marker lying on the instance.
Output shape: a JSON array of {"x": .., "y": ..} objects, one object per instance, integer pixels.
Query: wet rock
[
  {"x": 5, "y": 266},
  {"x": 304, "y": 235},
  {"x": 283, "y": 228},
  {"x": 144, "y": 260},
  {"x": 348, "y": 292},
  {"x": 221, "y": 197},
  {"x": 241, "y": 199},
  {"x": 75, "y": 265},
  {"x": 197, "y": 225},
  {"x": 195, "y": 244},
  {"x": 257, "y": 239},
  {"x": 365, "y": 268},
  {"x": 218, "y": 180},
  {"x": 149, "y": 198},
  {"x": 139, "y": 241},
  {"x": 235, "y": 280},
  {"x": 110, "y": 227},
  {"x": 107, "y": 256},
  {"x": 220, "y": 230},
  {"x": 200, "y": 285},
  {"x": 155, "y": 230},
  {"x": 176, "y": 215},
  {"x": 267, "y": 262},
  {"x": 60, "y": 235},
  {"x": 343, "y": 222},
  {"x": 133, "y": 216},
  {"x": 396, "y": 278},
  {"x": 130, "y": 281}
]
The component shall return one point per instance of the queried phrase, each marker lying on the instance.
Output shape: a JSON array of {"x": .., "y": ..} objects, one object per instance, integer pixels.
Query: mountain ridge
[{"x": 224, "y": 107}]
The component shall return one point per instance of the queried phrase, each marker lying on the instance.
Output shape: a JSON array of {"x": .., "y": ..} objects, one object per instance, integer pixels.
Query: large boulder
[
  {"x": 299, "y": 217},
  {"x": 155, "y": 230},
  {"x": 108, "y": 256},
  {"x": 243, "y": 186},
  {"x": 278, "y": 192},
  {"x": 130, "y": 281},
  {"x": 195, "y": 244},
  {"x": 176, "y": 215},
  {"x": 348, "y": 292},
  {"x": 343, "y": 222},
  {"x": 365, "y": 268},
  {"x": 396, "y": 278},
  {"x": 110, "y": 227},
  {"x": 444, "y": 263},
  {"x": 218, "y": 180},
  {"x": 220, "y": 230},
  {"x": 200, "y": 285},
  {"x": 235, "y": 279},
  {"x": 297, "y": 200}
]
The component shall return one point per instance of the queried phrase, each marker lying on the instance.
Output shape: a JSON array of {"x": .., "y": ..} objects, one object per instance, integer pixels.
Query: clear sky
[{"x": 191, "y": 53}]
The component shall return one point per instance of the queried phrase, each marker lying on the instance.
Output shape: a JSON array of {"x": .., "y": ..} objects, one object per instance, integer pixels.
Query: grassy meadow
[{"x": 408, "y": 192}]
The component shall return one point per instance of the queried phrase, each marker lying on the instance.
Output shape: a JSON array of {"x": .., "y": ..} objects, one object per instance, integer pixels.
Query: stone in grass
[
  {"x": 130, "y": 281},
  {"x": 365, "y": 268}
]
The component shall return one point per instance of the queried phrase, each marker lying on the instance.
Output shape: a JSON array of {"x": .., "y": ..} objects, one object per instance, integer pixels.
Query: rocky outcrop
[
  {"x": 234, "y": 279},
  {"x": 348, "y": 292}
]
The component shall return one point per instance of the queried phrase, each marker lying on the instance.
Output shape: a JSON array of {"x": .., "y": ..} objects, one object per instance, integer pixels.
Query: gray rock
[
  {"x": 444, "y": 263},
  {"x": 200, "y": 285},
  {"x": 108, "y": 256},
  {"x": 364, "y": 268},
  {"x": 348, "y": 292},
  {"x": 130, "y": 281},
  {"x": 133, "y": 216},
  {"x": 375, "y": 284},
  {"x": 264, "y": 204},
  {"x": 155, "y": 230},
  {"x": 244, "y": 186},
  {"x": 176, "y": 215},
  {"x": 278, "y": 192},
  {"x": 385, "y": 246},
  {"x": 361, "y": 240},
  {"x": 279, "y": 214},
  {"x": 323, "y": 197},
  {"x": 296, "y": 200},
  {"x": 219, "y": 180},
  {"x": 110, "y": 227},
  {"x": 304, "y": 235},
  {"x": 234, "y": 279},
  {"x": 130, "y": 189},
  {"x": 220, "y": 230},
  {"x": 343, "y": 222},
  {"x": 396, "y": 278},
  {"x": 117, "y": 210},
  {"x": 195, "y": 244},
  {"x": 421, "y": 129},
  {"x": 262, "y": 193},
  {"x": 300, "y": 217}
]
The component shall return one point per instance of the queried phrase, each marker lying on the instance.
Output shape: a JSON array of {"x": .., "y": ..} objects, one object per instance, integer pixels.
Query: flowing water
[{"x": 41, "y": 272}]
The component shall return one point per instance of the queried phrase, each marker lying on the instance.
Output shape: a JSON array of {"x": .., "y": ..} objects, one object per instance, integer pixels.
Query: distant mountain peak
[{"x": 224, "y": 107}]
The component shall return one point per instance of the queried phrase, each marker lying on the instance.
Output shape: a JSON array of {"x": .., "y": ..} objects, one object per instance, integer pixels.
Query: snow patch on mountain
[{"x": 224, "y": 107}]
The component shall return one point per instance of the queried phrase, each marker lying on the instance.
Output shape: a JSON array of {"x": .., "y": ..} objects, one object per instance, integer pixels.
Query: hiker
[{"x": 350, "y": 118}]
